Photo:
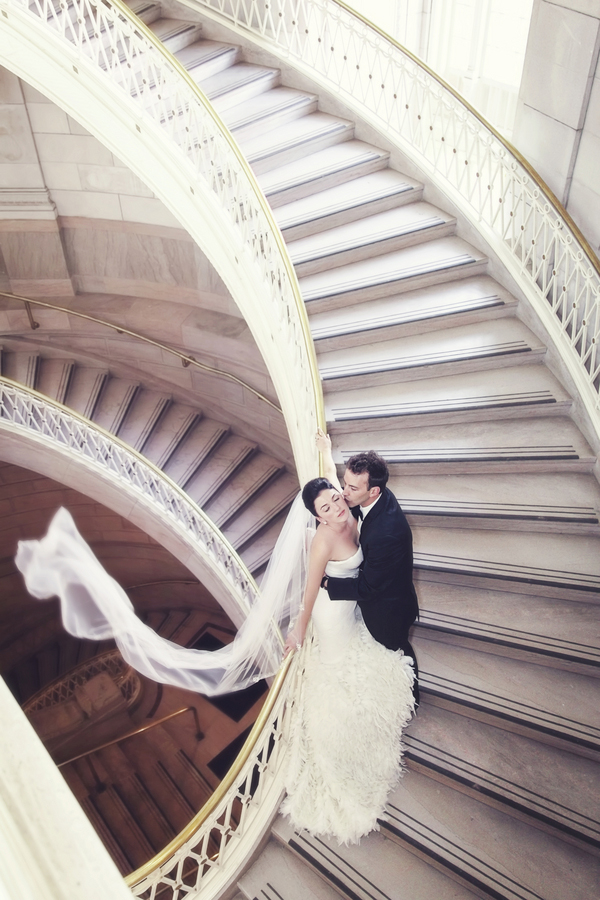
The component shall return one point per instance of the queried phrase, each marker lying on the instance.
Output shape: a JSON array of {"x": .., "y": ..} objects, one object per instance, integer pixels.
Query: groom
[{"x": 384, "y": 588}]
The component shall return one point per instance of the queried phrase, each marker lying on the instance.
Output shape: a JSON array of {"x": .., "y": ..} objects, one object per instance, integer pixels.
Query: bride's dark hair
[{"x": 311, "y": 491}]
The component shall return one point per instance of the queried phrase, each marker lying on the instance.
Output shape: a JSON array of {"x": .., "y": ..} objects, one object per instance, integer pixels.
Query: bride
[{"x": 351, "y": 696}]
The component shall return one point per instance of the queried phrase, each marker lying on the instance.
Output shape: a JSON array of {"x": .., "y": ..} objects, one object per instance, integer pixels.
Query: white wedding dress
[{"x": 350, "y": 702}]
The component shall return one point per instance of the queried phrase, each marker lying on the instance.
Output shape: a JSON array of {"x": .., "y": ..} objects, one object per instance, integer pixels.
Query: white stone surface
[
  {"x": 49, "y": 850},
  {"x": 538, "y": 132}
]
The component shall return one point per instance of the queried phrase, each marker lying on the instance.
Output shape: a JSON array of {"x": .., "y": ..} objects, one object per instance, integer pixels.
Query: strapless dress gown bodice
[{"x": 335, "y": 622}]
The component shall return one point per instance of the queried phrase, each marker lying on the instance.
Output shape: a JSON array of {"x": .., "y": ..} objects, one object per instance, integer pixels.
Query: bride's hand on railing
[{"x": 294, "y": 641}]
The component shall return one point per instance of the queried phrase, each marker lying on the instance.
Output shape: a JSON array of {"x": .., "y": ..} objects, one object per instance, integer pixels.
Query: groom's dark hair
[{"x": 372, "y": 463}]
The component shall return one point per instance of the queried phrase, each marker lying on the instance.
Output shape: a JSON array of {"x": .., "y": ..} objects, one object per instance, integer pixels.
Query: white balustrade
[
  {"x": 491, "y": 184},
  {"x": 129, "y": 91}
]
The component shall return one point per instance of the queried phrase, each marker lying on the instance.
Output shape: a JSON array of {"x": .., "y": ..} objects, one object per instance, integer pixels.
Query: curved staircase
[{"x": 431, "y": 361}]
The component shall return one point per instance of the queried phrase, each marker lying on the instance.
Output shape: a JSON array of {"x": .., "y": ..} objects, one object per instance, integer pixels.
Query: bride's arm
[
  {"x": 320, "y": 554},
  {"x": 324, "y": 448}
]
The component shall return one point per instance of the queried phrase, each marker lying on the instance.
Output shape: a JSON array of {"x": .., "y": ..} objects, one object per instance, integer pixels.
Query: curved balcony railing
[
  {"x": 63, "y": 688},
  {"x": 235, "y": 817},
  {"x": 119, "y": 81},
  {"x": 24, "y": 411},
  {"x": 487, "y": 179}
]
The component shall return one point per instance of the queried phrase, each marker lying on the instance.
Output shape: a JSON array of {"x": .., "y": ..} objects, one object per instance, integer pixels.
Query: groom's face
[{"x": 356, "y": 489}]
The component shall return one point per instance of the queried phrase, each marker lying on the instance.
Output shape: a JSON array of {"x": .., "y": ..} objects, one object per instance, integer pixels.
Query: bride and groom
[{"x": 352, "y": 693}]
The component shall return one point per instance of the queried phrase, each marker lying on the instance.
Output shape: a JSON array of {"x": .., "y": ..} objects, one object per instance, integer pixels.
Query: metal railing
[
  {"x": 63, "y": 688},
  {"x": 157, "y": 104},
  {"x": 483, "y": 175}
]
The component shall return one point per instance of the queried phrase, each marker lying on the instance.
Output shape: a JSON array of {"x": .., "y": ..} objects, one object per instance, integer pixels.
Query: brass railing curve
[
  {"x": 186, "y": 359},
  {"x": 104, "y": 45},
  {"x": 487, "y": 179}
]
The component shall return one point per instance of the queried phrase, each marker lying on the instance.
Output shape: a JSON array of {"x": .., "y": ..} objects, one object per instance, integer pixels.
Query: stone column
[
  {"x": 558, "y": 117},
  {"x": 48, "y": 848}
]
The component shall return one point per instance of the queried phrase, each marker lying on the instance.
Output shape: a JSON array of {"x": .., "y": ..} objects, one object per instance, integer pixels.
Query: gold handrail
[
  {"x": 551, "y": 196},
  {"x": 140, "y": 730},
  {"x": 262, "y": 200},
  {"x": 233, "y": 774},
  {"x": 186, "y": 359}
]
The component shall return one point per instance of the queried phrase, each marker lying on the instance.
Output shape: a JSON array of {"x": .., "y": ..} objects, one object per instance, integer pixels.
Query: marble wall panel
[
  {"x": 87, "y": 204},
  {"x": 535, "y": 134},
  {"x": 584, "y": 206},
  {"x": 112, "y": 180},
  {"x": 588, "y": 7},
  {"x": 48, "y": 118},
  {"x": 72, "y": 148},
  {"x": 33, "y": 255},
  {"x": 559, "y": 62},
  {"x": 147, "y": 209},
  {"x": 21, "y": 177},
  {"x": 62, "y": 176},
  {"x": 10, "y": 88}
]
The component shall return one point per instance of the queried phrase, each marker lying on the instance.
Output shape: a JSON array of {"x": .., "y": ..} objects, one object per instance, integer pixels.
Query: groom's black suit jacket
[{"x": 384, "y": 588}]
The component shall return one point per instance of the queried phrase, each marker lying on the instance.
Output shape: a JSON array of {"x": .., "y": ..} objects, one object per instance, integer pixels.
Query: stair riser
[
  {"x": 388, "y": 423},
  {"x": 276, "y": 119},
  {"x": 183, "y": 39},
  {"x": 406, "y": 329},
  {"x": 279, "y": 196},
  {"x": 418, "y": 373},
  {"x": 494, "y": 468},
  {"x": 553, "y": 739},
  {"x": 399, "y": 286},
  {"x": 351, "y": 214},
  {"x": 271, "y": 160},
  {"x": 517, "y": 584},
  {"x": 214, "y": 65},
  {"x": 510, "y": 651},
  {"x": 499, "y": 523},
  {"x": 373, "y": 249},
  {"x": 244, "y": 92}
]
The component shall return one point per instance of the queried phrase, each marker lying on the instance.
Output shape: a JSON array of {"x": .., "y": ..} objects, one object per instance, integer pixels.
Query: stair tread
[
  {"x": 539, "y": 780},
  {"x": 552, "y": 629},
  {"x": 566, "y": 497},
  {"x": 258, "y": 551},
  {"x": 417, "y": 217},
  {"x": 346, "y": 157},
  {"x": 256, "y": 111},
  {"x": 497, "y": 389},
  {"x": 430, "y": 256},
  {"x": 190, "y": 451},
  {"x": 566, "y": 559},
  {"x": 409, "y": 312},
  {"x": 356, "y": 194},
  {"x": 168, "y": 30},
  {"x": 464, "y": 342},
  {"x": 142, "y": 417},
  {"x": 278, "y": 873},
  {"x": 299, "y": 134},
  {"x": 203, "y": 58},
  {"x": 218, "y": 86},
  {"x": 489, "y": 847}
]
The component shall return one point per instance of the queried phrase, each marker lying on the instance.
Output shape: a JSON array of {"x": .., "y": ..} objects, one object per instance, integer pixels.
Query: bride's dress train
[{"x": 351, "y": 700}]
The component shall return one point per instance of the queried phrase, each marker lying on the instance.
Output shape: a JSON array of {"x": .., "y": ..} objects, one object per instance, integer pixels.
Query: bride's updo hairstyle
[{"x": 311, "y": 491}]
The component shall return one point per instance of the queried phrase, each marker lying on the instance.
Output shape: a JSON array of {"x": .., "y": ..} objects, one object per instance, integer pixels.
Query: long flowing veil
[{"x": 94, "y": 606}]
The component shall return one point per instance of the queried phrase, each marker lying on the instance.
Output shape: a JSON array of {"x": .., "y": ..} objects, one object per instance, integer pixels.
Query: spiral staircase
[{"x": 429, "y": 353}]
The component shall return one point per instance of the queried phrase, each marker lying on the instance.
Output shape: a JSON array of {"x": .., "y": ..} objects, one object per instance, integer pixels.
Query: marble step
[
  {"x": 545, "y": 631},
  {"x": 569, "y": 504},
  {"x": 257, "y": 553},
  {"x": 143, "y": 418},
  {"x": 167, "y": 439},
  {"x": 371, "y": 235},
  {"x": 203, "y": 59},
  {"x": 533, "y": 782},
  {"x": 267, "y": 111},
  {"x": 426, "y": 264},
  {"x": 85, "y": 387},
  {"x": 505, "y": 446},
  {"x": 237, "y": 84},
  {"x": 54, "y": 377},
  {"x": 278, "y": 874},
  {"x": 466, "y": 348},
  {"x": 415, "y": 312},
  {"x": 230, "y": 498},
  {"x": 345, "y": 203},
  {"x": 229, "y": 454},
  {"x": 332, "y": 167},
  {"x": 375, "y": 869},
  {"x": 295, "y": 140},
  {"x": 549, "y": 565},
  {"x": 175, "y": 34},
  {"x": 553, "y": 706},
  {"x": 258, "y": 513},
  {"x": 112, "y": 844},
  {"x": 189, "y": 453},
  {"x": 22, "y": 367},
  {"x": 114, "y": 402},
  {"x": 493, "y": 853},
  {"x": 508, "y": 393}
]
